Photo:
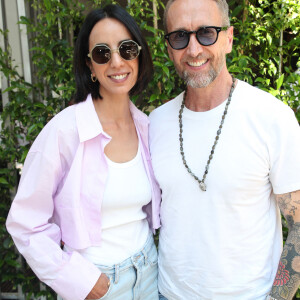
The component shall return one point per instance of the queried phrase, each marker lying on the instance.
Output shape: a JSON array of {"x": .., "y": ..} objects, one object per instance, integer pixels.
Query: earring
[{"x": 93, "y": 78}]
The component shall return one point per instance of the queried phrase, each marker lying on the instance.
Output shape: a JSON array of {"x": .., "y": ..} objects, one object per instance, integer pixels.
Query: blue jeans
[
  {"x": 136, "y": 277},
  {"x": 161, "y": 297}
]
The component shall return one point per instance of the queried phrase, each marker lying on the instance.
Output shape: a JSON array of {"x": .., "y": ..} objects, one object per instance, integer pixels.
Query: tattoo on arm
[{"x": 287, "y": 279}]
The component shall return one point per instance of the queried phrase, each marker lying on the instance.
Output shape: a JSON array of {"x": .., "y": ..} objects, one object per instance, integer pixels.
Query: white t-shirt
[
  {"x": 224, "y": 243},
  {"x": 124, "y": 225}
]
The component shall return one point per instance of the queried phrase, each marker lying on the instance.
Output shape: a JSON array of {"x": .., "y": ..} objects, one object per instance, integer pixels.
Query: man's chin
[{"x": 197, "y": 82}]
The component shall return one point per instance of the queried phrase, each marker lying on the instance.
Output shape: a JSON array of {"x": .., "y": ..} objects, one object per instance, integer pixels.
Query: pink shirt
[{"x": 60, "y": 194}]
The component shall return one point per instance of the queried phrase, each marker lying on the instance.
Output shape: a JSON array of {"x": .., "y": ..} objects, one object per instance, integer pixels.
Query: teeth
[
  {"x": 196, "y": 63},
  {"x": 119, "y": 77}
]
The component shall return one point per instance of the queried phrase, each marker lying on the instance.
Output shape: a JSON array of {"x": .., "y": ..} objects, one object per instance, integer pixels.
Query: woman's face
[{"x": 117, "y": 76}]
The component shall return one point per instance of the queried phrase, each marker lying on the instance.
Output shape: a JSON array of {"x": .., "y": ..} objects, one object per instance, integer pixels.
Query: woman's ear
[{"x": 90, "y": 65}]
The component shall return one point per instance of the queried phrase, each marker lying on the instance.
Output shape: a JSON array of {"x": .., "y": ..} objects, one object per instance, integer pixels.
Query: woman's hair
[{"x": 84, "y": 84}]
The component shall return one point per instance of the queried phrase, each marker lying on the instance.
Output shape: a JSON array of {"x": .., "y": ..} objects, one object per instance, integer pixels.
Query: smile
[
  {"x": 196, "y": 63},
  {"x": 119, "y": 77}
]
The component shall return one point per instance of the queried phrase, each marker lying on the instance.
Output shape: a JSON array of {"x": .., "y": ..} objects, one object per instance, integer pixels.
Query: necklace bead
[{"x": 201, "y": 182}]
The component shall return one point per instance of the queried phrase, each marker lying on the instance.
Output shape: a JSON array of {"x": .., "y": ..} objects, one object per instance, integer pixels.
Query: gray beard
[
  {"x": 203, "y": 80},
  {"x": 199, "y": 80}
]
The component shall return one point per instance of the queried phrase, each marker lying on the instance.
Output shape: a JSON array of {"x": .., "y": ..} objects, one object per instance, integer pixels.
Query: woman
[{"x": 87, "y": 182}]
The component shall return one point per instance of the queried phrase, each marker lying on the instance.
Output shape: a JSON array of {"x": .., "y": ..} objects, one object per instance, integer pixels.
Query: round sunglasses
[
  {"x": 101, "y": 53},
  {"x": 206, "y": 36}
]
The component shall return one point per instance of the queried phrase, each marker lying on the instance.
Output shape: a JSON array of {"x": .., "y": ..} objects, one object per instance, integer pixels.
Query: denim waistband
[{"x": 140, "y": 257}]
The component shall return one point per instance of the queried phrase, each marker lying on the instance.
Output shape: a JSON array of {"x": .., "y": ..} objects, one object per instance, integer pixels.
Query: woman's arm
[{"x": 37, "y": 237}]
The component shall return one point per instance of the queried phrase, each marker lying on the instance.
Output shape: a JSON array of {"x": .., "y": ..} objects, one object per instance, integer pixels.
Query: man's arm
[{"x": 287, "y": 279}]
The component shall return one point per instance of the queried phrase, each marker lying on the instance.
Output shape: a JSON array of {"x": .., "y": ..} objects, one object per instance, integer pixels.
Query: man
[{"x": 226, "y": 156}]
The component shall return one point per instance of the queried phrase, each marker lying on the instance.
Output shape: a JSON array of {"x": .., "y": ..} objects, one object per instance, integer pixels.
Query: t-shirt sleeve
[{"x": 284, "y": 149}]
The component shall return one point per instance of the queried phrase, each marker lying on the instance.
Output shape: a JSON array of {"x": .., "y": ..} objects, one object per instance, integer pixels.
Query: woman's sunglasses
[
  {"x": 128, "y": 50},
  {"x": 206, "y": 36}
]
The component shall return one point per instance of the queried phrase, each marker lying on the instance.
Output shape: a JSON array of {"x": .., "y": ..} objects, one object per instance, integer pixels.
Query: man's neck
[{"x": 204, "y": 99}]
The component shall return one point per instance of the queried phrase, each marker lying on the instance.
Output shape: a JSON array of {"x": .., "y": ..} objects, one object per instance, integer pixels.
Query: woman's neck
[{"x": 113, "y": 109}]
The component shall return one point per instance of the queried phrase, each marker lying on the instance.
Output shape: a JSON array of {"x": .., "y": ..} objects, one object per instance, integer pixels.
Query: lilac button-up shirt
[{"x": 60, "y": 194}]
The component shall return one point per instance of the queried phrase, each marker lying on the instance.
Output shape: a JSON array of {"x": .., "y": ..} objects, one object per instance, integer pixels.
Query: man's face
[{"x": 198, "y": 65}]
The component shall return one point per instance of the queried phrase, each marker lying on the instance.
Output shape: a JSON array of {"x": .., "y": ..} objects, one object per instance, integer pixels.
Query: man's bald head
[{"x": 222, "y": 4}]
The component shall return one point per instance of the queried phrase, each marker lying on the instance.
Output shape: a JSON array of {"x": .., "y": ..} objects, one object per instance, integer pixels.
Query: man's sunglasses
[
  {"x": 206, "y": 36},
  {"x": 128, "y": 50}
]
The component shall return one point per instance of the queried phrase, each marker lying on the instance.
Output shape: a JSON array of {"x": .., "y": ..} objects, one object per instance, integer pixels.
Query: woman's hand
[{"x": 100, "y": 288}]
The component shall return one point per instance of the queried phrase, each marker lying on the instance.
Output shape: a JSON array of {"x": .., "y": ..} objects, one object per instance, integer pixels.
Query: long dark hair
[{"x": 84, "y": 85}]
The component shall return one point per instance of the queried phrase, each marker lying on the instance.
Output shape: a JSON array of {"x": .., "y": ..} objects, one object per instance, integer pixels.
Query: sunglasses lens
[
  {"x": 207, "y": 36},
  {"x": 101, "y": 54},
  {"x": 129, "y": 50},
  {"x": 179, "y": 39}
]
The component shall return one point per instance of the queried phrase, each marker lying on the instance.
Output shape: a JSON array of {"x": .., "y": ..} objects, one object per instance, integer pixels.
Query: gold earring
[{"x": 93, "y": 78}]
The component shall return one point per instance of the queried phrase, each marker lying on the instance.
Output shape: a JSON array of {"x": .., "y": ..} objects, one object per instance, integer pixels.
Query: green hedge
[{"x": 257, "y": 58}]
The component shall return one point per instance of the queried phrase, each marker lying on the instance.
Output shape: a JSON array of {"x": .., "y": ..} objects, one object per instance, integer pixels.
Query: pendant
[{"x": 202, "y": 186}]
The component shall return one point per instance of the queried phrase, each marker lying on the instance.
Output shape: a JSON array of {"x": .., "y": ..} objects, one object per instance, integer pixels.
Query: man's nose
[{"x": 194, "y": 47}]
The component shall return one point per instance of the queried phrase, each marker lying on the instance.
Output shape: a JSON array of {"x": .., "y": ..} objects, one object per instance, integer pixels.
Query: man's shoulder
[
  {"x": 169, "y": 108},
  {"x": 259, "y": 99}
]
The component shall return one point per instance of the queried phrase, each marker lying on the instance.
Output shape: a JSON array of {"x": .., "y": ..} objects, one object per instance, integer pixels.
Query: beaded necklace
[{"x": 201, "y": 182}]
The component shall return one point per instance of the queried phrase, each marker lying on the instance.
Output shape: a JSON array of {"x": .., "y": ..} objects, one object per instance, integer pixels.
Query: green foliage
[
  {"x": 165, "y": 84},
  {"x": 258, "y": 57},
  {"x": 30, "y": 106}
]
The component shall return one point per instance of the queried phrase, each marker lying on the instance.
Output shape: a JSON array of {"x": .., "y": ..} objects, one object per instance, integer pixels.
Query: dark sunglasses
[
  {"x": 128, "y": 50},
  {"x": 206, "y": 36}
]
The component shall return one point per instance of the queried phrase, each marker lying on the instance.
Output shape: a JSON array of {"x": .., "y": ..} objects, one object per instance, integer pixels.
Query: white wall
[{"x": 10, "y": 12}]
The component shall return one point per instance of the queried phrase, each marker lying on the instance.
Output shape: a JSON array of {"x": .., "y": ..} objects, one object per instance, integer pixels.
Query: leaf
[
  {"x": 7, "y": 243},
  {"x": 11, "y": 88},
  {"x": 31, "y": 128},
  {"x": 3, "y": 180},
  {"x": 49, "y": 54},
  {"x": 153, "y": 98},
  {"x": 166, "y": 70},
  {"x": 273, "y": 92},
  {"x": 157, "y": 63},
  {"x": 24, "y": 154},
  {"x": 4, "y": 171},
  {"x": 39, "y": 104},
  {"x": 151, "y": 29},
  {"x": 242, "y": 62},
  {"x": 260, "y": 79},
  {"x": 237, "y": 10},
  {"x": 47, "y": 4},
  {"x": 269, "y": 39},
  {"x": 24, "y": 20},
  {"x": 279, "y": 81},
  {"x": 36, "y": 49}
]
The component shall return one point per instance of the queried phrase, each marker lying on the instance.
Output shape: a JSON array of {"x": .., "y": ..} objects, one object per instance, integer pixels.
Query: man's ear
[{"x": 229, "y": 39}]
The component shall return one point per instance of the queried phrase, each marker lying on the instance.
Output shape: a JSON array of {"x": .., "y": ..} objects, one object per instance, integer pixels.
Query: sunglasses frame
[
  {"x": 218, "y": 30},
  {"x": 139, "y": 48}
]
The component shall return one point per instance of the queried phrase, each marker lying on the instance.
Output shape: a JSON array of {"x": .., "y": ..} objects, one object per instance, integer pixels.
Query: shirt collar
[
  {"x": 138, "y": 115},
  {"x": 88, "y": 123}
]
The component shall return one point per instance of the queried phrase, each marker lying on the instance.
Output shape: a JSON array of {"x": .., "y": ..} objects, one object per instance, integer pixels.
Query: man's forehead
[{"x": 192, "y": 14}]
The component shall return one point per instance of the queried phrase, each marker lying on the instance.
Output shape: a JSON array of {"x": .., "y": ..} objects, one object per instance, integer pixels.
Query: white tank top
[{"x": 124, "y": 225}]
